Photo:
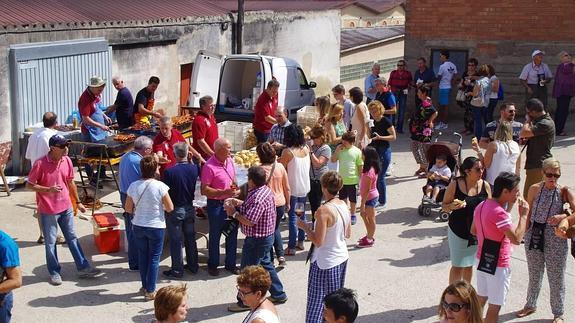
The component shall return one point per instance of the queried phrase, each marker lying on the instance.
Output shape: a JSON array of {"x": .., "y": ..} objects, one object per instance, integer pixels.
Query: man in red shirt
[
  {"x": 204, "y": 128},
  {"x": 164, "y": 145},
  {"x": 264, "y": 111},
  {"x": 399, "y": 80}
]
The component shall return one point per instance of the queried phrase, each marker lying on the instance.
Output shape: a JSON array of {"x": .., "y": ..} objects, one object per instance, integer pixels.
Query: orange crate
[{"x": 106, "y": 232}]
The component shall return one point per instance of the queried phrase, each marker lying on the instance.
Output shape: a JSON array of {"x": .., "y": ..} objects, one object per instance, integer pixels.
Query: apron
[
  {"x": 144, "y": 119},
  {"x": 96, "y": 134}
]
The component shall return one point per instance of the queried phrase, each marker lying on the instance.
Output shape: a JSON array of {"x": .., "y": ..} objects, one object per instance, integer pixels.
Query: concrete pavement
[{"x": 400, "y": 279}]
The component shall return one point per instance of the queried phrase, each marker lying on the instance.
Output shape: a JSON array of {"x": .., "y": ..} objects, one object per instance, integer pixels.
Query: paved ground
[{"x": 398, "y": 280}]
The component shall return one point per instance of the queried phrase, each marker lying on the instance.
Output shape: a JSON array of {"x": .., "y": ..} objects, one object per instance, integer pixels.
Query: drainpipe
[{"x": 239, "y": 31}]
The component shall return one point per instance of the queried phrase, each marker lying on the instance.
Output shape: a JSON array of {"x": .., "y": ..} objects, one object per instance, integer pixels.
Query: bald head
[
  {"x": 118, "y": 83},
  {"x": 222, "y": 149},
  {"x": 49, "y": 119}
]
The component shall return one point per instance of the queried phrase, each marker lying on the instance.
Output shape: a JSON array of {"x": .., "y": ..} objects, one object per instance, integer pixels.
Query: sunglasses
[
  {"x": 400, "y": 65},
  {"x": 243, "y": 294},
  {"x": 62, "y": 146},
  {"x": 454, "y": 307},
  {"x": 550, "y": 175}
]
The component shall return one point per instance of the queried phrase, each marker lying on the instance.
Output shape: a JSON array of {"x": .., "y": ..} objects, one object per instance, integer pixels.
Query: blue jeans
[
  {"x": 385, "y": 160},
  {"x": 217, "y": 217},
  {"x": 149, "y": 242},
  {"x": 132, "y": 250},
  {"x": 256, "y": 251},
  {"x": 65, "y": 220},
  {"x": 181, "y": 230},
  {"x": 293, "y": 230},
  {"x": 479, "y": 117},
  {"x": 401, "y": 107},
  {"x": 6, "y": 303},
  {"x": 278, "y": 243},
  {"x": 490, "y": 110}
]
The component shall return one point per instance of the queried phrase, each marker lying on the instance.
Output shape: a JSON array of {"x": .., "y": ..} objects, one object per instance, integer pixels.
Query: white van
[{"x": 236, "y": 81}]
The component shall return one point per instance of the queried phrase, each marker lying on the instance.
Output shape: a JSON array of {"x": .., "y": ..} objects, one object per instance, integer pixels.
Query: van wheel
[{"x": 444, "y": 216}]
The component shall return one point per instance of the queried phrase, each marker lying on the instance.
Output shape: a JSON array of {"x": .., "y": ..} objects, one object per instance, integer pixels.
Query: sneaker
[
  {"x": 362, "y": 238},
  {"x": 238, "y": 307},
  {"x": 172, "y": 274},
  {"x": 233, "y": 270},
  {"x": 282, "y": 261},
  {"x": 56, "y": 280},
  {"x": 40, "y": 240},
  {"x": 89, "y": 272},
  {"x": 149, "y": 296},
  {"x": 353, "y": 219},
  {"x": 60, "y": 240},
  {"x": 277, "y": 300},
  {"x": 389, "y": 170},
  {"x": 193, "y": 270},
  {"x": 135, "y": 269},
  {"x": 366, "y": 243}
]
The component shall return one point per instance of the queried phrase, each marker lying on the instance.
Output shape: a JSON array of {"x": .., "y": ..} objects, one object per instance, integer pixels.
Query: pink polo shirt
[
  {"x": 218, "y": 175},
  {"x": 494, "y": 222},
  {"x": 46, "y": 172}
]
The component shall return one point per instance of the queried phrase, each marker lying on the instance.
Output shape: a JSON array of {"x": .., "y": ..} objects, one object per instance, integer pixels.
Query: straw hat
[{"x": 96, "y": 81}]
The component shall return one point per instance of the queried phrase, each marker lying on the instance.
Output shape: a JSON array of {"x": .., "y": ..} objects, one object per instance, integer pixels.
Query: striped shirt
[
  {"x": 259, "y": 209},
  {"x": 278, "y": 131}
]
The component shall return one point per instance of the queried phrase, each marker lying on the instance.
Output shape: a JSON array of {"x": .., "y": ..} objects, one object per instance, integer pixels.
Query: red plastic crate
[{"x": 106, "y": 232}]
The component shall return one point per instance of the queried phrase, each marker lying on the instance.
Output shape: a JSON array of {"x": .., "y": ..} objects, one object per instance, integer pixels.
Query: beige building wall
[
  {"x": 354, "y": 16},
  {"x": 362, "y": 59}
]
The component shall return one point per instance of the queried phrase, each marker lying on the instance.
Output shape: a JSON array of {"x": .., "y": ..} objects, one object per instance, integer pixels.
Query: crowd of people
[{"x": 345, "y": 155}]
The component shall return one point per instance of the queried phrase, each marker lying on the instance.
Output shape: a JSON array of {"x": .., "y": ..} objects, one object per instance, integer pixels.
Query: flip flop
[{"x": 525, "y": 312}]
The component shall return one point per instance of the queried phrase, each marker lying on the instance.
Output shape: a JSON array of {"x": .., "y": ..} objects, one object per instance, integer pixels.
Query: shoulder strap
[
  {"x": 141, "y": 195},
  {"x": 271, "y": 173}
]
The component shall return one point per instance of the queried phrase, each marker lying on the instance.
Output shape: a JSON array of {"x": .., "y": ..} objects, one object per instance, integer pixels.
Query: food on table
[
  {"x": 141, "y": 126},
  {"x": 251, "y": 140},
  {"x": 124, "y": 137},
  {"x": 246, "y": 158},
  {"x": 186, "y": 118}
]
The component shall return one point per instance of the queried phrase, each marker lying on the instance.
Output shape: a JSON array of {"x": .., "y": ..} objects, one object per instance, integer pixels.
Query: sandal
[
  {"x": 149, "y": 296},
  {"x": 300, "y": 246},
  {"x": 558, "y": 320},
  {"x": 525, "y": 312},
  {"x": 289, "y": 252}
]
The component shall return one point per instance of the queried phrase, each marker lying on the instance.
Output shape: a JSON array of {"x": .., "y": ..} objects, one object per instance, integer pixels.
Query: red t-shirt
[
  {"x": 266, "y": 106},
  {"x": 87, "y": 106},
  {"x": 399, "y": 80},
  {"x": 204, "y": 127},
  {"x": 166, "y": 146}
]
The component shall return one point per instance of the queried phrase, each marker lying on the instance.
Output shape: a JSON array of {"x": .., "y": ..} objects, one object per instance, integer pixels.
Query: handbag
[
  {"x": 479, "y": 100},
  {"x": 489, "y": 256},
  {"x": 460, "y": 97}
]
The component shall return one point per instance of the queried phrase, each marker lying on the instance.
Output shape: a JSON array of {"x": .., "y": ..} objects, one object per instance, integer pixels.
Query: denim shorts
[
  {"x": 444, "y": 96},
  {"x": 371, "y": 203}
]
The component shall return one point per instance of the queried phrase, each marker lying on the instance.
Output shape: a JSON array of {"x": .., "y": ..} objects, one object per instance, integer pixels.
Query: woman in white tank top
[
  {"x": 502, "y": 155},
  {"x": 329, "y": 253},
  {"x": 296, "y": 160}
]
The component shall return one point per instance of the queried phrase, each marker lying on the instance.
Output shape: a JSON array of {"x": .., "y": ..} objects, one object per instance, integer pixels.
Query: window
[
  {"x": 369, "y": 24},
  {"x": 456, "y": 56},
  {"x": 351, "y": 24},
  {"x": 302, "y": 80}
]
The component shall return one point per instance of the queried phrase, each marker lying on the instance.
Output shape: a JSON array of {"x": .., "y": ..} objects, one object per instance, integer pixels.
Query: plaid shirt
[
  {"x": 277, "y": 132},
  {"x": 259, "y": 208}
]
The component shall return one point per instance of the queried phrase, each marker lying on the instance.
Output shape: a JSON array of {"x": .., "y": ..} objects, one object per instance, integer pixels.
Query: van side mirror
[{"x": 312, "y": 84}]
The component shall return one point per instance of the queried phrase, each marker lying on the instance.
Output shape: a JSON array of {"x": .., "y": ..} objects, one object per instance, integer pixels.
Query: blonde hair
[
  {"x": 323, "y": 104},
  {"x": 334, "y": 111},
  {"x": 377, "y": 105},
  {"x": 561, "y": 54},
  {"x": 551, "y": 163},
  {"x": 467, "y": 294},
  {"x": 167, "y": 300},
  {"x": 504, "y": 131}
]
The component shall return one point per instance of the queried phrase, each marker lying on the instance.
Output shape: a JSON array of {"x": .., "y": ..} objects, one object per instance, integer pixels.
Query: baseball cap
[
  {"x": 58, "y": 141},
  {"x": 537, "y": 52}
]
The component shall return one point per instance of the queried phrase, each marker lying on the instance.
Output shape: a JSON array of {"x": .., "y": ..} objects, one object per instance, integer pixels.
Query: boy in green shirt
[{"x": 350, "y": 164}]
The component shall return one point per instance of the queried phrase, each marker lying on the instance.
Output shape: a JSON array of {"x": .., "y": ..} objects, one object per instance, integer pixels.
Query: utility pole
[{"x": 240, "y": 28}]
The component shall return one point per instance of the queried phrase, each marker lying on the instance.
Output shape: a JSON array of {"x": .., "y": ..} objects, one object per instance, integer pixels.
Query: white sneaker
[
  {"x": 438, "y": 126},
  {"x": 389, "y": 170},
  {"x": 56, "y": 280},
  {"x": 445, "y": 126}
]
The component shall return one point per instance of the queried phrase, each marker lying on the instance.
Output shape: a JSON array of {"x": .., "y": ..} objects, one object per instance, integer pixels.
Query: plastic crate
[
  {"x": 106, "y": 232},
  {"x": 307, "y": 116},
  {"x": 236, "y": 132}
]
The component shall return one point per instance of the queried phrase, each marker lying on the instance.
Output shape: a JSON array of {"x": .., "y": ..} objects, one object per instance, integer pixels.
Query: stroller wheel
[
  {"x": 444, "y": 216},
  {"x": 427, "y": 211},
  {"x": 420, "y": 210}
]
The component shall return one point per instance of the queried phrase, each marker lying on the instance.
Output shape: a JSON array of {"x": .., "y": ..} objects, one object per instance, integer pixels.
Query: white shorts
[{"x": 494, "y": 287}]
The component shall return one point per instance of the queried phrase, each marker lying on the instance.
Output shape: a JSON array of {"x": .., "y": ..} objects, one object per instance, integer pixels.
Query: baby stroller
[{"x": 451, "y": 149}]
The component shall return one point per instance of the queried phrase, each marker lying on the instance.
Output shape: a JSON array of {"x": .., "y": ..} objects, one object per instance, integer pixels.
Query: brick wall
[{"x": 520, "y": 20}]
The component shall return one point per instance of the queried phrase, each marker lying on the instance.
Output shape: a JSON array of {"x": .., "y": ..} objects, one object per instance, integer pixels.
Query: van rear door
[{"x": 206, "y": 77}]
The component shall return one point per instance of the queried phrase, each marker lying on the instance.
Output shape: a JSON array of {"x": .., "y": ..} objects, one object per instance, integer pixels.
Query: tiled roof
[
  {"x": 378, "y": 6},
  {"x": 21, "y": 12},
  {"x": 282, "y": 5},
  {"x": 355, "y": 37}
]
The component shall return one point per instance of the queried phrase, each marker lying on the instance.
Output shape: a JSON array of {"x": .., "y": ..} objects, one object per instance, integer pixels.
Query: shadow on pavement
[
  {"x": 426, "y": 256},
  {"x": 406, "y": 216},
  {"x": 424, "y": 233},
  {"x": 89, "y": 297},
  {"x": 400, "y": 315},
  {"x": 199, "y": 314}
]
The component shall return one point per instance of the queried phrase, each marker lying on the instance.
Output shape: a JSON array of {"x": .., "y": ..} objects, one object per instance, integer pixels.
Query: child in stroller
[
  {"x": 441, "y": 155},
  {"x": 438, "y": 178}
]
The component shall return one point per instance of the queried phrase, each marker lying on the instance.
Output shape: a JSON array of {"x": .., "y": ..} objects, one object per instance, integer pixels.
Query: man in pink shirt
[
  {"x": 219, "y": 183},
  {"x": 492, "y": 225},
  {"x": 52, "y": 178}
]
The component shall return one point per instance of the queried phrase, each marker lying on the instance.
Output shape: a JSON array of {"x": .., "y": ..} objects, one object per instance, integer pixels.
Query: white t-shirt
[
  {"x": 147, "y": 194},
  {"x": 38, "y": 144},
  {"x": 493, "y": 95},
  {"x": 446, "y": 72},
  {"x": 443, "y": 171}
]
